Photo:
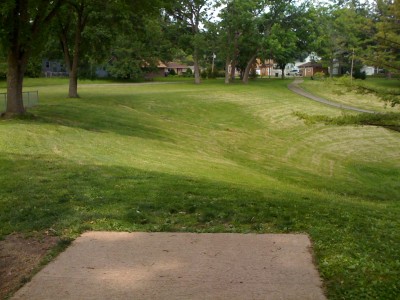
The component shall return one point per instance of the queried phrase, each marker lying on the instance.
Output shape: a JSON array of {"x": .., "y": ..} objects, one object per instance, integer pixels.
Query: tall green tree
[
  {"x": 345, "y": 31},
  {"x": 190, "y": 14},
  {"x": 236, "y": 25},
  {"x": 86, "y": 27},
  {"x": 23, "y": 25},
  {"x": 142, "y": 44},
  {"x": 385, "y": 51},
  {"x": 292, "y": 32}
]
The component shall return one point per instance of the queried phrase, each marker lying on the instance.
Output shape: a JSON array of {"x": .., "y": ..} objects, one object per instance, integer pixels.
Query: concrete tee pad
[{"x": 119, "y": 265}]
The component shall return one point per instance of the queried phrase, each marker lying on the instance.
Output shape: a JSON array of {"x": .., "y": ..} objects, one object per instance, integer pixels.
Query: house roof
[
  {"x": 310, "y": 64},
  {"x": 265, "y": 63},
  {"x": 160, "y": 64},
  {"x": 175, "y": 65}
]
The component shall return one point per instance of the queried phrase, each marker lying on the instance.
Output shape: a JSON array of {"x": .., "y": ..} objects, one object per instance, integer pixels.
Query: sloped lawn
[{"x": 208, "y": 158}]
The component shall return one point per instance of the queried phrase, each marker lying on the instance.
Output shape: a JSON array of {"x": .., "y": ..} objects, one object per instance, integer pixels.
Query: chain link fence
[{"x": 30, "y": 99}]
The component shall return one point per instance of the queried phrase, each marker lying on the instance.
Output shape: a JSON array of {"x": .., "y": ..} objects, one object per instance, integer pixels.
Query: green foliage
[
  {"x": 388, "y": 120},
  {"x": 389, "y": 95},
  {"x": 319, "y": 76},
  {"x": 253, "y": 73},
  {"x": 189, "y": 72},
  {"x": 204, "y": 74},
  {"x": 142, "y": 43},
  {"x": 344, "y": 30},
  {"x": 188, "y": 16},
  {"x": 359, "y": 75},
  {"x": 34, "y": 68},
  {"x": 3, "y": 70},
  {"x": 213, "y": 73},
  {"x": 384, "y": 51}
]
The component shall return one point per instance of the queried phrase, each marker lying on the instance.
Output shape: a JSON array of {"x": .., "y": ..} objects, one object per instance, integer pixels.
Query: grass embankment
[
  {"x": 361, "y": 94},
  {"x": 338, "y": 90},
  {"x": 209, "y": 158}
]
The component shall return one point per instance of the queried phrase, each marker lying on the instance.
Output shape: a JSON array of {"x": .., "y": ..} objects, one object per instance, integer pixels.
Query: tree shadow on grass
[
  {"x": 39, "y": 192},
  {"x": 98, "y": 118},
  {"x": 42, "y": 192}
]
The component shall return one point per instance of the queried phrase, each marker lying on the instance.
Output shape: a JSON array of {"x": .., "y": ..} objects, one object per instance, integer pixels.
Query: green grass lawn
[{"x": 208, "y": 158}]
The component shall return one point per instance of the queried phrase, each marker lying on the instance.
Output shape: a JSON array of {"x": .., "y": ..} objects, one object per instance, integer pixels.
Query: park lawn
[
  {"x": 208, "y": 158},
  {"x": 335, "y": 90}
]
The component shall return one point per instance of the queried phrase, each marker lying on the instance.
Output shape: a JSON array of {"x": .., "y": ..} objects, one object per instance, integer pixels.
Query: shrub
[
  {"x": 319, "y": 76},
  {"x": 388, "y": 120},
  {"x": 34, "y": 68},
  {"x": 359, "y": 75},
  {"x": 221, "y": 74},
  {"x": 188, "y": 73},
  {"x": 211, "y": 73},
  {"x": 3, "y": 70},
  {"x": 253, "y": 73}
]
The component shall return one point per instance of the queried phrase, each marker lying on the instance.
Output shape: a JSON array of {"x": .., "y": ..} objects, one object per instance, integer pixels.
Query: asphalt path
[{"x": 294, "y": 87}]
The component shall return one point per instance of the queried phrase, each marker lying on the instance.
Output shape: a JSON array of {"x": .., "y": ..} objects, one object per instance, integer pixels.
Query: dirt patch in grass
[{"x": 20, "y": 257}]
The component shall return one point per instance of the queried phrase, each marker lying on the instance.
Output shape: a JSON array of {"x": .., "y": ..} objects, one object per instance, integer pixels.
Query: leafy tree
[
  {"x": 292, "y": 32},
  {"x": 189, "y": 15},
  {"x": 86, "y": 27},
  {"x": 385, "y": 51},
  {"x": 345, "y": 31},
  {"x": 23, "y": 26},
  {"x": 236, "y": 24},
  {"x": 253, "y": 41},
  {"x": 142, "y": 42},
  {"x": 249, "y": 27},
  {"x": 284, "y": 46}
]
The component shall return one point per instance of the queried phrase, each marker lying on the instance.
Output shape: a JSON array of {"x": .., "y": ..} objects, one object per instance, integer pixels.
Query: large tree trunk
[
  {"x": 235, "y": 55},
  {"x": 73, "y": 84},
  {"x": 73, "y": 75},
  {"x": 72, "y": 59},
  {"x": 331, "y": 69},
  {"x": 233, "y": 70},
  {"x": 250, "y": 63},
  {"x": 196, "y": 67},
  {"x": 23, "y": 33},
  {"x": 15, "y": 78},
  {"x": 227, "y": 64},
  {"x": 72, "y": 66}
]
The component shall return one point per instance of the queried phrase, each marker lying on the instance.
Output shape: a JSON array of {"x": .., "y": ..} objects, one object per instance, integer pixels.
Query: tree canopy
[{"x": 129, "y": 35}]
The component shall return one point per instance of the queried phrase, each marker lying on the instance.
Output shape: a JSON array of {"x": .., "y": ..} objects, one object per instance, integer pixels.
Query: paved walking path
[
  {"x": 294, "y": 87},
  {"x": 110, "y": 265}
]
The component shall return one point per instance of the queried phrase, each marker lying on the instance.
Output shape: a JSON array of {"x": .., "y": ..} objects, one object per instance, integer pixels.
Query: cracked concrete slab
[{"x": 120, "y": 265}]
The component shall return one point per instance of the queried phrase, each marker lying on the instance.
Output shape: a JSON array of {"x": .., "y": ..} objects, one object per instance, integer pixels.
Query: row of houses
[
  {"x": 56, "y": 68},
  {"x": 267, "y": 68}
]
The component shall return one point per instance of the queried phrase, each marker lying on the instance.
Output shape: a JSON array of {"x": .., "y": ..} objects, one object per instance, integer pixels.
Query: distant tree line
[{"x": 128, "y": 34}]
